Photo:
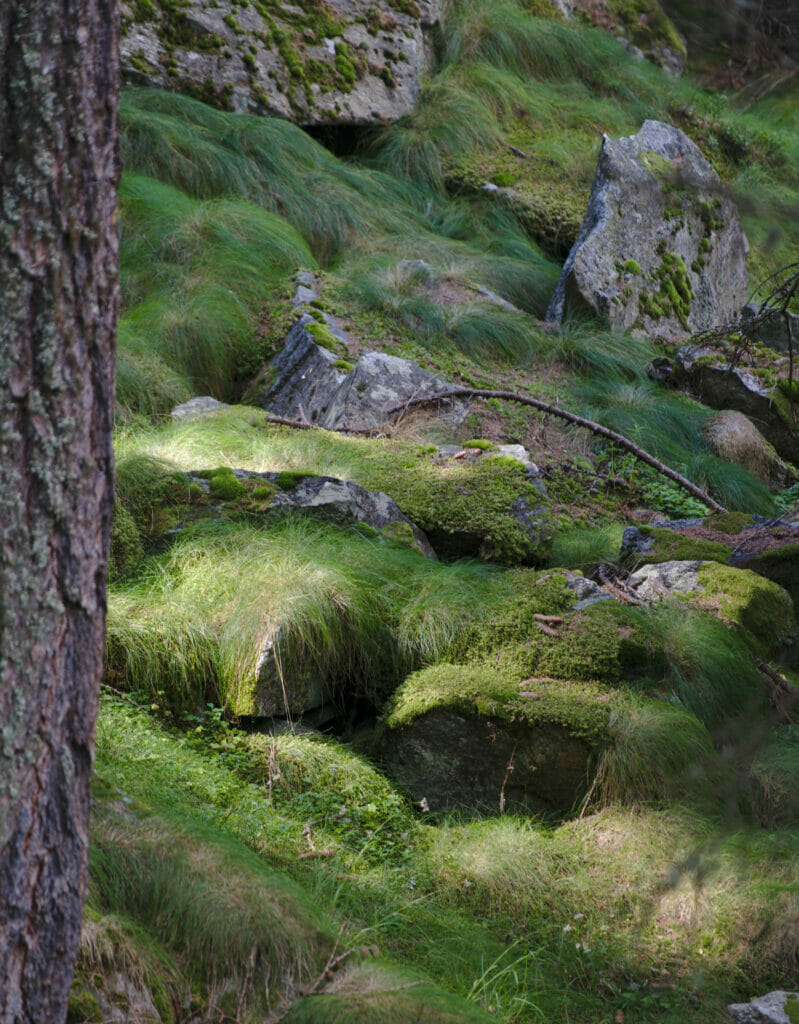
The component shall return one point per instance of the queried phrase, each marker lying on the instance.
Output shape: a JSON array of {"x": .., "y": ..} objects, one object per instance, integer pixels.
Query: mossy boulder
[
  {"x": 734, "y": 437},
  {"x": 756, "y": 605},
  {"x": 675, "y": 268},
  {"x": 642, "y": 24},
  {"x": 476, "y": 738},
  {"x": 645, "y": 545}
]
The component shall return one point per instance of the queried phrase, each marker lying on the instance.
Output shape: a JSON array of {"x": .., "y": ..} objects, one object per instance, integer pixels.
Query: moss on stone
[
  {"x": 224, "y": 485},
  {"x": 287, "y": 481},
  {"x": 670, "y": 546},
  {"x": 757, "y": 605},
  {"x": 83, "y": 1006},
  {"x": 481, "y": 443},
  {"x": 400, "y": 533},
  {"x": 481, "y": 689},
  {"x": 728, "y": 522},
  {"x": 322, "y": 335},
  {"x": 632, "y": 267},
  {"x": 127, "y": 549}
]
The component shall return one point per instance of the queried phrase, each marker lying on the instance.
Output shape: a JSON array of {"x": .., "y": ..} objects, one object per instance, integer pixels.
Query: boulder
[
  {"x": 461, "y": 737},
  {"x": 661, "y": 247},
  {"x": 348, "y": 62},
  {"x": 737, "y": 585},
  {"x": 309, "y": 380},
  {"x": 338, "y": 501},
  {"x": 641, "y": 26},
  {"x": 723, "y": 385},
  {"x": 200, "y": 406},
  {"x": 768, "y": 1009},
  {"x": 735, "y": 438}
]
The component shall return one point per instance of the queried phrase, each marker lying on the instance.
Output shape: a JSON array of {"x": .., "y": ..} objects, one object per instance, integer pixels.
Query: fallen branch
[
  {"x": 580, "y": 421},
  {"x": 777, "y": 680}
]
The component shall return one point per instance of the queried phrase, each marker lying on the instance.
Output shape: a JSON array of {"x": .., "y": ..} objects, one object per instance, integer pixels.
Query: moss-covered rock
[
  {"x": 487, "y": 740},
  {"x": 759, "y": 606},
  {"x": 644, "y": 545}
]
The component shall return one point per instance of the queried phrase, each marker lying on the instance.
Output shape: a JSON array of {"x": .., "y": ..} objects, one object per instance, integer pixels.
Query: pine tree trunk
[{"x": 58, "y": 304}]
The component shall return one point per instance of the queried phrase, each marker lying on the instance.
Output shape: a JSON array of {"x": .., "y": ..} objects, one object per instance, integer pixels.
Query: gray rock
[
  {"x": 769, "y": 1009},
  {"x": 458, "y": 761},
  {"x": 376, "y": 384},
  {"x": 651, "y": 581},
  {"x": 770, "y": 326},
  {"x": 301, "y": 379},
  {"x": 722, "y": 386},
  {"x": 201, "y": 406},
  {"x": 634, "y": 542},
  {"x": 239, "y": 62},
  {"x": 338, "y": 501},
  {"x": 735, "y": 438},
  {"x": 586, "y": 591},
  {"x": 661, "y": 247}
]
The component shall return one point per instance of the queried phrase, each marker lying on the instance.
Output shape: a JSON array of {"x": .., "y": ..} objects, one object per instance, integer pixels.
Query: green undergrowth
[
  {"x": 521, "y": 920},
  {"x": 349, "y": 609},
  {"x": 467, "y": 509}
]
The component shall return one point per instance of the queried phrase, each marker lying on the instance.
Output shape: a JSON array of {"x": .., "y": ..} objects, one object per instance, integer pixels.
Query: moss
[
  {"x": 287, "y": 481},
  {"x": 671, "y": 546},
  {"x": 224, "y": 485},
  {"x": 758, "y": 605},
  {"x": 322, "y": 335},
  {"x": 127, "y": 550},
  {"x": 632, "y": 267},
  {"x": 345, "y": 365},
  {"x": 792, "y": 1008},
  {"x": 728, "y": 522},
  {"x": 481, "y": 443},
  {"x": 83, "y": 1006},
  {"x": 400, "y": 533},
  {"x": 483, "y": 689}
]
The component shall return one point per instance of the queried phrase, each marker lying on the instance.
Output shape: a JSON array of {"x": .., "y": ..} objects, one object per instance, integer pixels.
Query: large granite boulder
[
  {"x": 721, "y": 547},
  {"x": 732, "y": 436},
  {"x": 722, "y": 384},
  {"x": 661, "y": 247},
  {"x": 339, "y": 62}
]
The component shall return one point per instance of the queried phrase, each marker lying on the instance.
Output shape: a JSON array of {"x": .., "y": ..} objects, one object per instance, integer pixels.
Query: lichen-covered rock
[
  {"x": 769, "y": 1009},
  {"x": 469, "y": 738},
  {"x": 642, "y": 25},
  {"x": 721, "y": 385},
  {"x": 657, "y": 580},
  {"x": 661, "y": 247},
  {"x": 343, "y": 62},
  {"x": 732, "y": 436}
]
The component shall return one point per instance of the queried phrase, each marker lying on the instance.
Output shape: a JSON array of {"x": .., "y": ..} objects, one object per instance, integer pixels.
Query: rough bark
[{"x": 58, "y": 304}]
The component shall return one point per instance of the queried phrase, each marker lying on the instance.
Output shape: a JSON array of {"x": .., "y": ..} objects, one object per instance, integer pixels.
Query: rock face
[
  {"x": 723, "y": 386},
  {"x": 735, "y": 438},
  {"x": 769, "y": 1009},
  {"x": 640, "y": 25},
  {"x": 661, "y": 247},
  {"x": 771, "y": 328},
  {"x": 305, "y": 380},
  {"x": 341, "y": 62}
]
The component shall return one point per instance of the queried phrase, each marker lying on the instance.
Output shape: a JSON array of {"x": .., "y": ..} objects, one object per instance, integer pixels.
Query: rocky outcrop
[
  {"x": 768, "y": 1009},
  {"x": 661, "y": 247},
  {"x": 641, "y": 26},
  {"x": 723, "y": 385},
  {"x": 735, "y": 438},
  {"x": 342, "y": 62},
  {"x": 309, "y": 380},
  {"x": 757, "y": 605}
]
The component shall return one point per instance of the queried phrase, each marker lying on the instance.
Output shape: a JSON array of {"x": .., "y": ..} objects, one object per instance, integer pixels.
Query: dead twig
[
  {"x": 580, "y": 421},
  {"x": 303, "y": 424}
]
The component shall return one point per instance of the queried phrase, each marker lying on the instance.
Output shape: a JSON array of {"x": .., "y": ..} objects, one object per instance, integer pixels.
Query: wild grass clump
[
  {"x": 196, "y": 276},
  {"x": 354, "y": 612},
  {"x": 774, "y": 777},
  {"x": 582, "y": 547}
]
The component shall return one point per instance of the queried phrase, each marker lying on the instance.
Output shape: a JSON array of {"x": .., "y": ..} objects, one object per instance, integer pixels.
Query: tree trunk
[{"x": 58, "y": 304}]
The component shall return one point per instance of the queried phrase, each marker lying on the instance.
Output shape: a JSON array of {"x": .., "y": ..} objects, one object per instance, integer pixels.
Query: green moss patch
[
  {"x": 758, "y": 605},
  {"x": 671, "y": 546},
  {"x": 728, "y": 522}
]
